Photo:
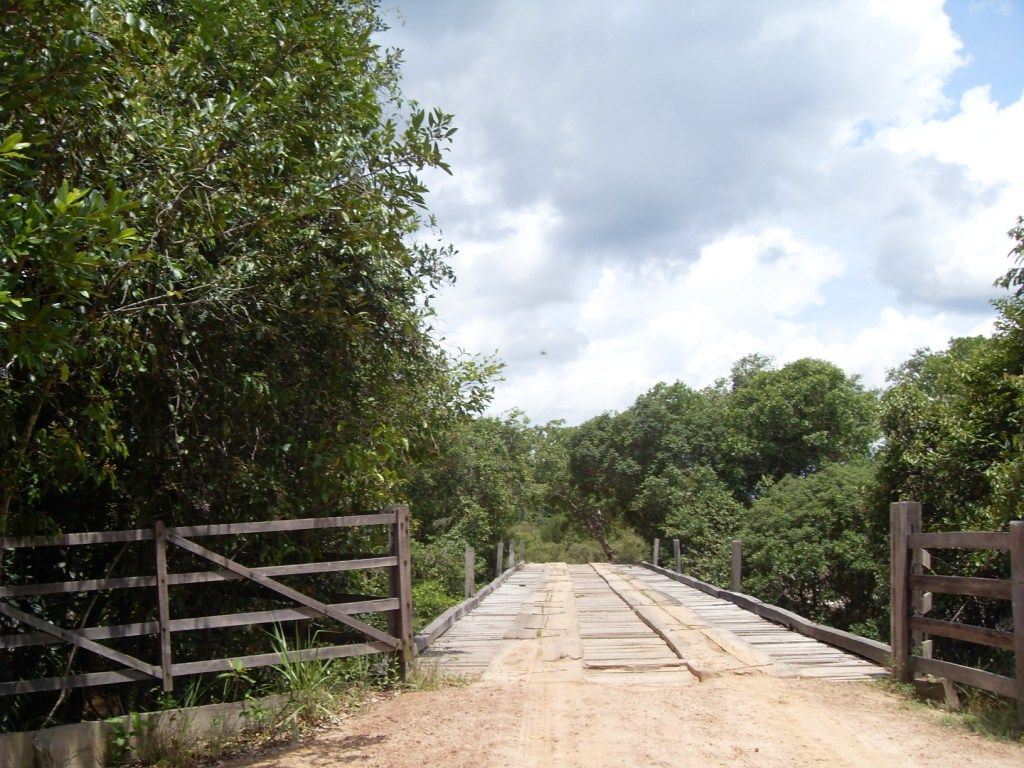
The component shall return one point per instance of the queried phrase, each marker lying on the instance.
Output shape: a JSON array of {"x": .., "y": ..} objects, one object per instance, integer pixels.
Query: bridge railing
[
  {"x": 911, "y": 590},
  {"x": 397, "y": 639}
]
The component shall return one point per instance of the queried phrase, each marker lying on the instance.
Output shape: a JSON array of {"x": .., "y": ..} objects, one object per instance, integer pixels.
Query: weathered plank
[
  {"x": 969, "y": 632},
  {"x": 979, "y": 678},
  {"x": 960, "y": 540},
  {"x": 70, "y": 636},
  {"x": 163, "y": 606},
  {"x": 963, "y": 585},
  {"x": 270, "y": 659},
  {"x": 223, "y": 621},
  {"x": 195, "y": 577},
  {"x": 1017, "y": 582},
  {"x": 281, "y": 589}
]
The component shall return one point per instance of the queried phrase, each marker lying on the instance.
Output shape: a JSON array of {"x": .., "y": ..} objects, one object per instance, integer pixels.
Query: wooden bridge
[{"x": 628, "y": 621}]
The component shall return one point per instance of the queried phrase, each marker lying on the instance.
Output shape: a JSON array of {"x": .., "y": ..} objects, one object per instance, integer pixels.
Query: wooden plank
[
  {"x": 444, "y": 622},
  {"x": 75, "y": 539},
  {"x": 963, "y": 585},
  {"x": 280, "y": 588},
  {"x": 1017, "y": 583},
  {"x": 469, "y": 577},
  {"x": 86, "y": 680},
  {"x": 163, "y": 606},
  {"x": 70, "y": 636},
  {"x": 875, "y": 651},
  {"x": 403, "y": 585},
  {"x": 677, "y": 555},
  {"x": 915, "y": 525},
  {"x": 899, "y": 593},
  {"x": 270, "y": 659},
  {"x": 223, "y": 621},
  {"x": 979, "y": 678},
  {"x": 196, "y": 577},
  {"x": 736, "y": 566},
  {"x": 960, "y": 540},
  {"x": 969, "y": 632},
  {"x": 272, "y": 526}
]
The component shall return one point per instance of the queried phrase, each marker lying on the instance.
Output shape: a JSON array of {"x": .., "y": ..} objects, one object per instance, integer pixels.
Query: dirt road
[{"x": 564, "y": 694}]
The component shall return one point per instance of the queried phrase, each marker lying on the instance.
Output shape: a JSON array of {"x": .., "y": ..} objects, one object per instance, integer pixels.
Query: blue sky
[{"x": 649, "y": 191}]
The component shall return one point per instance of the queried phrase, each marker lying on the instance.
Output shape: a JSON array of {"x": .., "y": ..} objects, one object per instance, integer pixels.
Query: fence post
[
  {"x": 899, "y": 564},
  {"x": 919, "y": 558},
  {"x": 470, "y": 578},
  {"x": 678, "y": 555},
  {"x": 163, "y": 606},
  {"x": 656, "y": 551},
  {"x": 1017, "y": 591},
  {"x": 501, "y": 559},
  {"x": 522, "y": 551},
  {"x": 400, "y": 622},
  {"x": 736, "y": 569},
  {"x": 511, "y": 553}
]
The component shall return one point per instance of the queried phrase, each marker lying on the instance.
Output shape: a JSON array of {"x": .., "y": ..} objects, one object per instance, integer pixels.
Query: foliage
[
  {"x": 806, "y": 545},
  {"x": 431, "y": 598},
  {"x": 703, "y": 515}
]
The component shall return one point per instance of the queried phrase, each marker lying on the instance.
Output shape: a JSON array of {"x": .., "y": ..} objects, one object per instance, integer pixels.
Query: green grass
[{"x": 980, "y": 712}]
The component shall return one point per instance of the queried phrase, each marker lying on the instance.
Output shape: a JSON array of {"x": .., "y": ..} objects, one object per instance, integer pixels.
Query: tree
[
  {"x": 793, "y": 420},
  {"x": 806, "y": 546}
]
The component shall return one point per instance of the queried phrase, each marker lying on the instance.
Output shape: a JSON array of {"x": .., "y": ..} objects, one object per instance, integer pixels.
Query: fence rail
[
  {"x": 398, "y": 604},
  {"x": 910, "y": 602}
]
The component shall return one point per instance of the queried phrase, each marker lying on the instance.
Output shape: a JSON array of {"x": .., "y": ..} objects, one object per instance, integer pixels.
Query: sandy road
[{"x": 559, "y": 698}]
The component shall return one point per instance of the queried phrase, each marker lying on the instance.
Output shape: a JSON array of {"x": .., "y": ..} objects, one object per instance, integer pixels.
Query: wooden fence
[
  {"x": 398, "y": 639},
  {"x": 911, "y": 590}
]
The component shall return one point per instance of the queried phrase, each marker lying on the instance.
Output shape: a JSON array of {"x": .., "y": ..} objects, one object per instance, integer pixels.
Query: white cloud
[{"x": 649, "y": 191}]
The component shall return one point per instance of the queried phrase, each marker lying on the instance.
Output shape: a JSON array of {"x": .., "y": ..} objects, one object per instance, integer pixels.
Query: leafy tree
[
  {"x": 793, "y": 420},
  {"x": 806, "y": 546},
  {"x": 701, "y": 512}
]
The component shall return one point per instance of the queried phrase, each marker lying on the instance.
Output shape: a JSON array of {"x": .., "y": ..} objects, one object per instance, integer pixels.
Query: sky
[{"x": 647, "y": 191}]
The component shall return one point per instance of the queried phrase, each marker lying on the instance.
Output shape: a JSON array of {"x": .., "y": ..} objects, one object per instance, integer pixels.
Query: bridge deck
[{"x": 627, "y": 620}]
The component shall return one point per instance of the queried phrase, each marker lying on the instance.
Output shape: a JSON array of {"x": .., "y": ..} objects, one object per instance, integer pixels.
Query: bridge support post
[
  {"x": 501, "y": 559},
  {"x": 655, "y": 552},
  {"x": 470, "y": 580},
  {"x": 400, "y": 621},
  {"x": 511, "y": 553},
  {"x": 736, "y": 570},
  {"x": 678, "y": 555},
  {"x": 902, "y": 518}
]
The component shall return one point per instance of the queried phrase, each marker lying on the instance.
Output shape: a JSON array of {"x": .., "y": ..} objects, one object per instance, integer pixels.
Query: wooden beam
[
  {"x": 269, "y": 526},
  {"x": 270, "y": 659},
  {"x": 960, "y": 540},
  {"x": 86, "y": 680},
  {"x": 223, "y": 621},
  {"x": 899, "y": 593},
  {"x": 75, "y": 539},
  {"x": 272, "y": 526},
  {"x": 964, "y": 585},
  {"x": 403, "y": 585},
  {"x": 736, "y": 566},
  {"x": 1017, "y": 583},
  {"x": 979, "y": 678},
  {"x": 276, "y": 586},
  {"x": 195, "y": 577},
  {"x": 163, "y": 606},
  {"x": 469, "y": 577},
  {"x": 957, "y": 631},
  {"x": 75, "y": 638}
]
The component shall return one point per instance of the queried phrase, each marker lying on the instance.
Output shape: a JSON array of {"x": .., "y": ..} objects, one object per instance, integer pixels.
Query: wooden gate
[
  {"x": 910, "y": 598},
  {"x": 397, "y": 639}
]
